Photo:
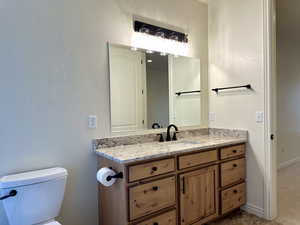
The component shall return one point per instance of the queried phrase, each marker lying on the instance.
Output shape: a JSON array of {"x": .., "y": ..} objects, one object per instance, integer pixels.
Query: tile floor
[
  {"x": 289, "y": 195},
  {"x": 243, "y": 218}
]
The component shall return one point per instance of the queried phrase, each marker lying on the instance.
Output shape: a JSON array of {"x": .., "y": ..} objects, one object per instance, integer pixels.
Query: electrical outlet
[
  {"x": 92, "y": 122},
  {"x": 259, "y": 117},
  {"x": 211, "y": 116}
]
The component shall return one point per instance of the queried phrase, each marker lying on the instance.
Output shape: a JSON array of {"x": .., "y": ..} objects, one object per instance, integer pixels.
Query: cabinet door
[{"x": 198, "y": 195}]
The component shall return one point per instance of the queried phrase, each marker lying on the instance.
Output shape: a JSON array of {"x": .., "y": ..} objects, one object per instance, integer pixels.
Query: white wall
[
  {"x": 236, "y": 58},
  {"x": 54, "y": 73},
  {"x": 288, "y": 81}
]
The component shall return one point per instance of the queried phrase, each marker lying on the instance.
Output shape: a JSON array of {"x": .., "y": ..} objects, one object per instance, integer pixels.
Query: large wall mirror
[{"x": 150, "y": 90}]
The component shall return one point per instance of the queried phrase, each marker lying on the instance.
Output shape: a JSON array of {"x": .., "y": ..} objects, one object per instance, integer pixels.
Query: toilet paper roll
[{"x": 103, "y": 174}]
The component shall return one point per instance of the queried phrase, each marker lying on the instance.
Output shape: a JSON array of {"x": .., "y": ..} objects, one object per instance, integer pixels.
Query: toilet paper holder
[{"x": 117, "y": 176}]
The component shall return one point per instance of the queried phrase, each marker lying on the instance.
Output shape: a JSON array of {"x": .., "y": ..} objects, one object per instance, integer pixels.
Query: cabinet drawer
[
  {"x": 151, "y": 197},
  {"x": 151, "y": 169},
  {"x": 168, "y": 218},
  {"x": 197, "y": 159},
  {"x": 233, "y": 198},
  {"x": 232, "y": 151},
  {"x": 232, "y": 172}
]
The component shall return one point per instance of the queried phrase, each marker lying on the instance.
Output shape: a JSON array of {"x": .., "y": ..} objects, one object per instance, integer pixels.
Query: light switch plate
[
  {"x": 259, "y": 117},
  {"x": 92, "y": 122}
]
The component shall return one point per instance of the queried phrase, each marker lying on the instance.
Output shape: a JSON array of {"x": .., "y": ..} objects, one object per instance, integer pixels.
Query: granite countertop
[{"x": 126, "y": 154}]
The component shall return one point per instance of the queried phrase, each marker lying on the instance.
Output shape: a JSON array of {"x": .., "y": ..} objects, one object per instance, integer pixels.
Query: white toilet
[{"x": 36, "y": 196}]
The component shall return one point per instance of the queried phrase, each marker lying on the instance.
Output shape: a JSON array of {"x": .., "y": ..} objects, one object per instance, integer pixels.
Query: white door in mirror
[
  {"x": 127, "y": 85},
  {"x": 92, "y": 122}
]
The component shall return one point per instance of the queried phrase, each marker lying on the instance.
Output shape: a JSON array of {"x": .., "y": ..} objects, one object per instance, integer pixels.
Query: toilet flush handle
[{"x": 11, "y": 194}]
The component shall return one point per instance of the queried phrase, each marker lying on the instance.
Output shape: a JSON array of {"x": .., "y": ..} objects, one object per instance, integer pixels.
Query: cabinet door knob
[
  {"x": 154, "y": 168},
  {"x": 234, "y": 151},
  {"x": 234, "y": 165},
  {"x": 155, "y": 223},
  {"x": 235, "y": 191},
  {"x": 155, "y": 188}
]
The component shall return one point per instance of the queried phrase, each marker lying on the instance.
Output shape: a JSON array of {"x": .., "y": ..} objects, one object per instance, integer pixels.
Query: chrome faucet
[{"x": 174, "y": 138}]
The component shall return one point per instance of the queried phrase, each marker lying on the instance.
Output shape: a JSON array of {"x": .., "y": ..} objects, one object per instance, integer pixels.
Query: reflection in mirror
[
  {"x": 157, "y": 73},
  {"x": 150, "y": 90}
]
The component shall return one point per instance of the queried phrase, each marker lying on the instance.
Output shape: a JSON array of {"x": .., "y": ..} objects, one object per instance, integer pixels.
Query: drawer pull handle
[
  {"x": 183, "y": 185},
  {"x": 154, "y": 168},
  {"x": 155, "y": 188},
  {"x": 155, "y": 223},
  {"x": 235, "y": 165},
  {"x": 234, "y": 151}
]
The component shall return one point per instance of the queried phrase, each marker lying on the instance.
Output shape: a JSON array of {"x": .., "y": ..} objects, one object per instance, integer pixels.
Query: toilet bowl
[{"x": 37, "y": 196}]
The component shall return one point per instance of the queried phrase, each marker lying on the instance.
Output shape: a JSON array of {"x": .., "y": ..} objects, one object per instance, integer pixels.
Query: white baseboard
[
  {"x": 288, "y": 163},
  {"x": 252, "y": 209}
]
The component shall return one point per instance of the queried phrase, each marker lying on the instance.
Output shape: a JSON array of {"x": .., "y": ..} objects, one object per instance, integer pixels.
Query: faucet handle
[
  {"x": 161, "y": 137},
  {"x": 174, "y": 136}
]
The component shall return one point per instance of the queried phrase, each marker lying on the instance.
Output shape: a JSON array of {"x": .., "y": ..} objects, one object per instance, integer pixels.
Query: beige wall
[
  {"x": 54, "y": 73},
  {"x": 288, "y": 81},
  {"x": 236, "y": 58}
]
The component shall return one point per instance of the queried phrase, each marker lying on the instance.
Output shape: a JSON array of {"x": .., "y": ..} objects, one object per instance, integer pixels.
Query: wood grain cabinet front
[
  {"x": 232, "y": 172},
  {"x": 232, "y": 151},
  {"x": 233, "y": 198},
  {"x": 197, "y": 159},
  {"x": 148, "y": 198},
  {"x": 198, "y": 195},
  {"x": 151, "y": 169},
  {"x": 183, "y": 189},
  {"x": 168, "y": 218}
]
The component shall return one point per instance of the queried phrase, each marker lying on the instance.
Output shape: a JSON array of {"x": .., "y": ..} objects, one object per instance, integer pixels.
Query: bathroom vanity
[{"x": 192, "y": 181}]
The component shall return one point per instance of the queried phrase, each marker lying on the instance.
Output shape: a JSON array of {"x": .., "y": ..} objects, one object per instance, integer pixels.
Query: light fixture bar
[{"x": 159, "y": 32}]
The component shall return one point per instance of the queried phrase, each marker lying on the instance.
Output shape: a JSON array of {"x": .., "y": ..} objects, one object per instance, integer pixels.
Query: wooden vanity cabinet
[
  {"x": 151, "y": 197},
  {"x": 151, "y": 169},
  {"x": 183, "y": 189},
  {"x": 198, "y": 195}
]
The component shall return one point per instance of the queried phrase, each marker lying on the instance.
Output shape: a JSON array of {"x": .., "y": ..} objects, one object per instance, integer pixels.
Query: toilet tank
[{"x": 39, "y": 195}]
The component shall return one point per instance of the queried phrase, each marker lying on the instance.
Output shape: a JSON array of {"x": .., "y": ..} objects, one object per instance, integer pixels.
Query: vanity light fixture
[
  {"x": 149, "y": 51},
  {"x": 144, "y": 29},
  {"x": 149, "y": 61},
  {"x": 174, "y": 36},
  {"x": 160, "y": 32},
  {"x": 163, "y": 54}
]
